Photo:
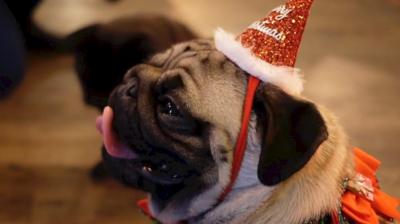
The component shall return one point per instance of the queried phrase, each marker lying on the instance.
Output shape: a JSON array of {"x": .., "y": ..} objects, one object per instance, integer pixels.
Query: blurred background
[{"x": 50, "y": 150}]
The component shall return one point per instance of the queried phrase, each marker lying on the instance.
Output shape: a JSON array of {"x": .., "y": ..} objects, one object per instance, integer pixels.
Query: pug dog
[
  {"x": 175, "y": 119},
  {"x": 104, "y": 52}
]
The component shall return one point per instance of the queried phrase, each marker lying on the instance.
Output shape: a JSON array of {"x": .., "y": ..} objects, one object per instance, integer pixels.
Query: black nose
[{"x": 133, "y": 87}]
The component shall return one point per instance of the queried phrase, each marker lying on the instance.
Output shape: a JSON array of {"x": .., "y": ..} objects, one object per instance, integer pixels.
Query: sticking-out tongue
[{"x": 113, "y": 146}]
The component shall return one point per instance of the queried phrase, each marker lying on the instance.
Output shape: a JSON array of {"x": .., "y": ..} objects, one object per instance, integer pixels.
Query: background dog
[
  {"x": 176, "y": 118},
  {"x": 104, "y": 52}
]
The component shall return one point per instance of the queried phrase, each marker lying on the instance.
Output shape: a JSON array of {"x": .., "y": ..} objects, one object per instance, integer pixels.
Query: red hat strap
[{"x": 241, "y": 143}]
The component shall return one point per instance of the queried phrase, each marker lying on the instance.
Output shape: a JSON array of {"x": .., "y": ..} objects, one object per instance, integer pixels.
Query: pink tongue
[{"x": 113, "y": 146}]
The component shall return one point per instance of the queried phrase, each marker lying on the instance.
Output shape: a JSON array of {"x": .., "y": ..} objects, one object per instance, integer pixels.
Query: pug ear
[{"x": 292, "y": 128}]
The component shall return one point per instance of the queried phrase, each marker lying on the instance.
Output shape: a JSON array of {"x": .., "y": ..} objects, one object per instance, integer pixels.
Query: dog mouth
[
  {"x": 159, "y": 173},
  {"x": 113, "y": 146}
]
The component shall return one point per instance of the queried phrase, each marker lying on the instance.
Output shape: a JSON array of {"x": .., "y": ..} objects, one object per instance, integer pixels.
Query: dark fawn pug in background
[
  {"x": 175, "y": 120},
  {"x": 104, "y": 52}
]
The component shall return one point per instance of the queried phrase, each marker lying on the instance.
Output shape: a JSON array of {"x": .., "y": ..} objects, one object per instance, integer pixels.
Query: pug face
[
  {"x": 176, "y": 119},
  {"x": 165, "y": 112}
]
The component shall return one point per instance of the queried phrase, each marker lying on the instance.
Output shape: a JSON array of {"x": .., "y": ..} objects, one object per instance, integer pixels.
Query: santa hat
[{"x": 267, "y": 49}]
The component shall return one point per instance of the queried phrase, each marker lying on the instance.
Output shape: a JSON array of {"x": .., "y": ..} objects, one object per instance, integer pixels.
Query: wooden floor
[
  {"x": 56, "y": 194},
  {"x": 48, "y": 143}
]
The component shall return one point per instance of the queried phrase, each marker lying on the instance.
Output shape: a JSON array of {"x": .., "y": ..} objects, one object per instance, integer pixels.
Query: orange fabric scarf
[{"x": 358, "y": 208}]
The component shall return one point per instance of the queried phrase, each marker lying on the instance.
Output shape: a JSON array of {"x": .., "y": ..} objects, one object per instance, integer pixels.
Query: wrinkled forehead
[
  {"x": 168, "y": 59},
  {"x": 199, "y": 62}
]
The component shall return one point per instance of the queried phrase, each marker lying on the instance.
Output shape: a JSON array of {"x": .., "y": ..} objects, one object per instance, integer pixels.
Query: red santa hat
[{"x": 267, "y": 49}]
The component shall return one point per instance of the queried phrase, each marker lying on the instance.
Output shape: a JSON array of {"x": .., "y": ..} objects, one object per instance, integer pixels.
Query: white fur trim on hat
[{"x": 287, "y": 78}]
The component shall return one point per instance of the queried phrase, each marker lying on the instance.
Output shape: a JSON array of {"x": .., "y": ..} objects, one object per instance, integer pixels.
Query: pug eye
[
  {"x": 168, "y": 107},
  {"x": 176, "y": 119}
]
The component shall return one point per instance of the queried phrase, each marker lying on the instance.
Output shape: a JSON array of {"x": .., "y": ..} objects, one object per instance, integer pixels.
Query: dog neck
[
  {"x": 311, "y": 193},
  {"x": 236, "y": 207},
  {"x": 247, "y": 187}
]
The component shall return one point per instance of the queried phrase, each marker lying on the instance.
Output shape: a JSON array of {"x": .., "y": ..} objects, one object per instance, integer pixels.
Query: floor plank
[{"x": 55, "y": 194}]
